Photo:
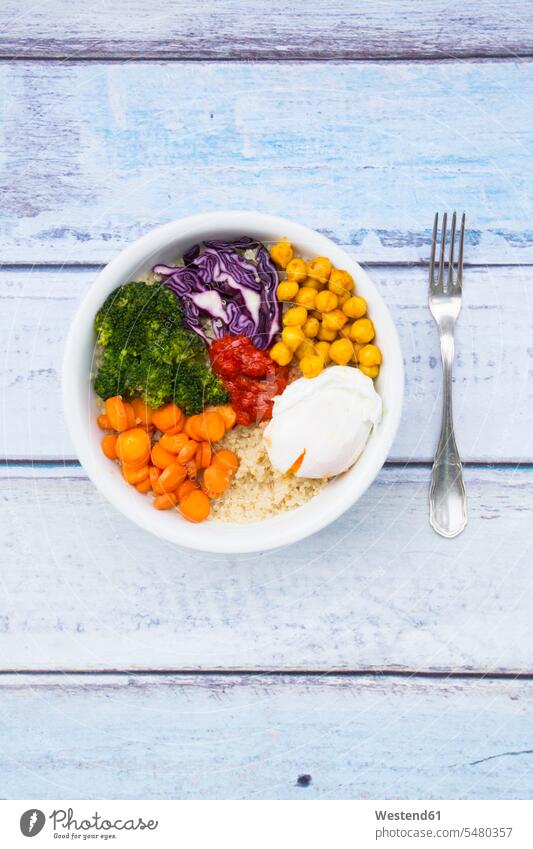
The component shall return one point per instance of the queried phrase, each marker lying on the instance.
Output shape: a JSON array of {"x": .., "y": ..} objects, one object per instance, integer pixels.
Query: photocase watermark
[
  {"x": 32, "y": 822},
  {"x": 66, "y": 825}
]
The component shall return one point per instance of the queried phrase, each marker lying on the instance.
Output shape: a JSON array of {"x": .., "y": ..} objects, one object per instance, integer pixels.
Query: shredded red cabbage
[{"x": 234, "y": 294}]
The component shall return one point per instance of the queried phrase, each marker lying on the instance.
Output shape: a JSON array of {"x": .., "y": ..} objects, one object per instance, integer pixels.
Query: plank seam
[
  {"x": 415, "y": 58},
  {"x": 418, "y": 674}
]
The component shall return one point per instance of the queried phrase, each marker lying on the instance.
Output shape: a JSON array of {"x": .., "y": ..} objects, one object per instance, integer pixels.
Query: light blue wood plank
[
  {"x": 83, "y": 588},
  {"x": 250, "y": 738},
  {"x": 309, "y": 28},
  {"x": 363, "y": 151},
  {"x": 493, "y": 390}
]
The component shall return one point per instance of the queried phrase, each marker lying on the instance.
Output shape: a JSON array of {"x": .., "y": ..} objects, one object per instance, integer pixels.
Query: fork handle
[{"x": 447, "y": 496}]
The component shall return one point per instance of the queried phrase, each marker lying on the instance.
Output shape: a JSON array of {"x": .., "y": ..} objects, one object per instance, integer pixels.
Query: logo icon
[{"x": 32, "y": 822}]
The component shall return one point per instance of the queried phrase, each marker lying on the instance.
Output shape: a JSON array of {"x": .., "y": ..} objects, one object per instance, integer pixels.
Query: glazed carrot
[
  {"x": 195, "y": 426},
  {"x": 143, "y": 413},
  {"x": 162, "y": 458},
  {"x": 195, "y": 506},
  {"x": 109, "y": 446},
  {"x": 165, "y": 502},
  {"x": 191, "y": 426},
  {"x": 192, "y": 469},
  {"x": 186, "y": 487},
  {"x": 228, "y": 414},
  {"x": 135, "y": 476},
  {"x": 154, "y": 476},
  {"x": 226, "y": 411},
  {"x": 208, "y": 426},
  {"x": 138, "y": 464},
  {"x": 103, "y": 422},
  {"x": 156, "y": 488},
  {"x": 133, "y": 445},
  {"x": 116, "y": 413},
  {"x": 144, "y": 486},
  {"x": 227, "y": 459},
  {"x": 216, "y": 478},
  {"x": 174, "y": 444},
  {"x": 132, "y": 421},
  {"x": 209, "y": 492},
  {"x": 212, "y": 427},
  {"x": 162, "y": 485},
  {"x": 187, "y": 452},
  {"x": 203, "y": 455},
  {"x": 168, "y": 417},
  {"x": 171, "y": 477},
  {"x": 172, "y": 431}
]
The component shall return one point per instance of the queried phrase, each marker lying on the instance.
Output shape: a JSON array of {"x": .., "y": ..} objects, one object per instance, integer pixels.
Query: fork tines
[{"x": 437, "y": 283}]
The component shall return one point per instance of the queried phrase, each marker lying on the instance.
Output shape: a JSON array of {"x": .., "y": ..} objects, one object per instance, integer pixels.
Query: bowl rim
[{"x": 247, "y": 537}]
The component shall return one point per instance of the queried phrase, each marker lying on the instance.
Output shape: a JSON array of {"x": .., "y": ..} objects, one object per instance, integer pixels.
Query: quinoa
[{"x": 257, "y": 490}]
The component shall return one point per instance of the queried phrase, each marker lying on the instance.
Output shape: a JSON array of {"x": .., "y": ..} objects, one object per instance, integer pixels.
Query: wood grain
[
  {"x": 211, "y": 29},
  {"x": 83, "y": 588},
  {"x": 493, "y": 390},
  {"x": 250, "y": 737},
  {"x": 365, "y": 152}
]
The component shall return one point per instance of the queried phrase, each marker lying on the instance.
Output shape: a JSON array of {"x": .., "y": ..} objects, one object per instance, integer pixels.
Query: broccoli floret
[
  {"x": 195, "y": 387},
  {"x": 214, "y": 390},
  {"x": 110, "y": 379},
  {"x": 150, "y": 379},
  {"x": 176, "y": 346},
  {"x": 137, "y": 317},
  {"x": 148, "y": 353}
]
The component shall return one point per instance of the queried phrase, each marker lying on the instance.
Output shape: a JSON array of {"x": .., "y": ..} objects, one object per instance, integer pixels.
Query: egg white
[{"x": 328, "y": 417}]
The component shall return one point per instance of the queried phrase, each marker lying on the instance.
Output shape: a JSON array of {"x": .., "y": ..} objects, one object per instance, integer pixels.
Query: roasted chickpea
[
  {"x": 345, "y": 332},
  {"x": 311, "y": 327},
  {"x": 319, "y": 269},
  {"x": 341, "y": 351},
  {"x": 287, "y": 290},
  {"x": 281, "y": 354},
  {"x": 343, "y": 298},
  {"x": 334, "y": 320},
  {"x": 306, "y": 297},
  {"x": 326, "y": 335},
  {"x": 362, "y": 331},
  {"x": 354, "y": 307},
  {"x": 282, "y": 253},
  {"x": 295, "y": 317},
  {"x": 370, "y": 371},
  {"x": 296, "y": 270},
  {"x": 310, "y": 283},
  {"x": 369, "y": 355},
  {"x": 292, "y": 337},
  {"x": 356, "y": 348},
  {"x": 311, "y": 365},
  {"x": 326, "y": 301},
  {"x": 322, "y": 349},
  {"x": 306, "y": 349},
  {"x": 340, "y": 281}
]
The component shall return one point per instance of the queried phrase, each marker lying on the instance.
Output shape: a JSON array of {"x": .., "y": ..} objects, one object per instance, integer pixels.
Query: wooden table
[{"x": 376, "y": 657}]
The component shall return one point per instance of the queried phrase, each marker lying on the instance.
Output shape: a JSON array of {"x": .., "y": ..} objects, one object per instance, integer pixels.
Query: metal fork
[{"x": 447, "y": 496}]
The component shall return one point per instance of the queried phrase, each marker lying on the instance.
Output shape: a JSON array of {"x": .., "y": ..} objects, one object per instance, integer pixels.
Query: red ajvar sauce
[{"x": 251, "y": 377}]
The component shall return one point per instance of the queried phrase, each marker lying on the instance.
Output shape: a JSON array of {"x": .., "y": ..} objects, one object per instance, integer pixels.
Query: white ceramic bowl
[{"x": 164, "y": 245}]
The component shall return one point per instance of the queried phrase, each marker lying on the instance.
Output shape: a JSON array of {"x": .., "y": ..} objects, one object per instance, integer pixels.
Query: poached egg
[{"x": 320, "y": 426}]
